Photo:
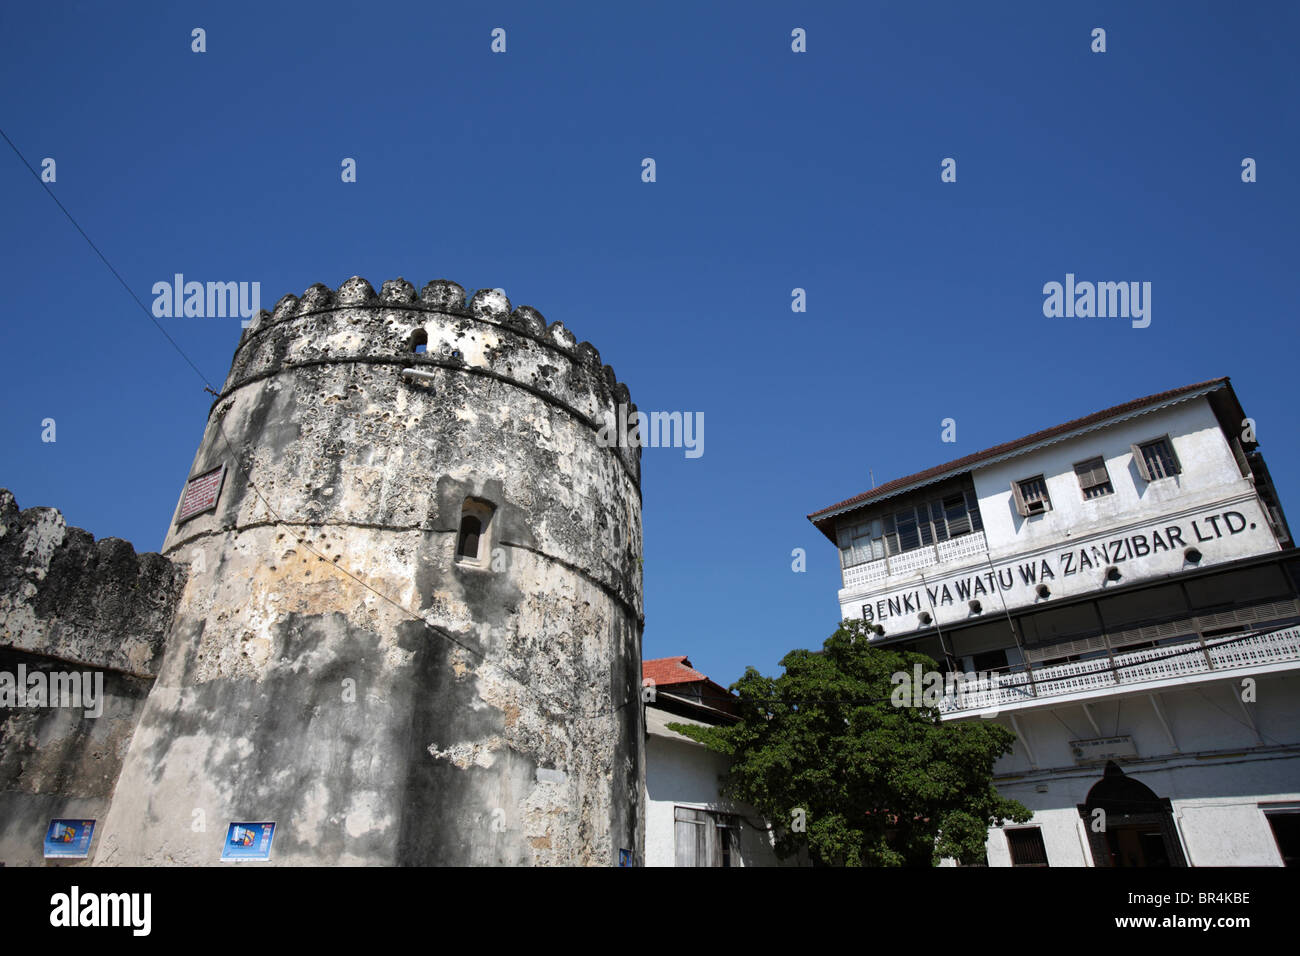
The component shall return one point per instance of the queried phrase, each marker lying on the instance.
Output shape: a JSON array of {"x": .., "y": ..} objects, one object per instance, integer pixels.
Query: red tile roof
[
  {"x": 665, "y": 671},
  {"x": 707, "y": 697},
  {"x": 820, "y": 518}
]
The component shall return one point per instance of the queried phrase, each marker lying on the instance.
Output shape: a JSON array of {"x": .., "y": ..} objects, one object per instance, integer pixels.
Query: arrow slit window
[{"x": 473, "y": 545}]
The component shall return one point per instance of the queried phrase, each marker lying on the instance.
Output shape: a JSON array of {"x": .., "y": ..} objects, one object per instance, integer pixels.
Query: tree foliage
[{"x": 878, "y": 785}]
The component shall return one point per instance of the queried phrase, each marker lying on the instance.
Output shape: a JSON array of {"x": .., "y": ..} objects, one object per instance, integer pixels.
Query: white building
[
  {"x": 688, "y": 821},
  {"x": 1124, "y": 587}
]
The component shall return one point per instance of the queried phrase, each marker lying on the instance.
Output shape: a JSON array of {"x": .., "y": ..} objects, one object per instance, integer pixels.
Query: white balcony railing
[
  {"x": 1227, "y": 653},
  {"x": 954, "y": 550},
  {"x": 963, "y": 548}
]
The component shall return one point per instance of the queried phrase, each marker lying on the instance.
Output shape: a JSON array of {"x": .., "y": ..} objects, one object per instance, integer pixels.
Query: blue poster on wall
[
  {"x": 248, "y": 841},
  {"x": 69, "y": 839}
]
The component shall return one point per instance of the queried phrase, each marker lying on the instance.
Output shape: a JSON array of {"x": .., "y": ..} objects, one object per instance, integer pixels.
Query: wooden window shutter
[
  {"x": 694, "y": 838},
  {"x": 689, "y": 838},
  {"x": 1019, "y": 499},
  {"x": 1092, "y": 473},
  {"x": 1140, "y": 460},
  {"x": 1173, "y": 455}
]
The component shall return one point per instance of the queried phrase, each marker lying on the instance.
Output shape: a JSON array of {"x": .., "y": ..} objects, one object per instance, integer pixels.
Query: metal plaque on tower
[{"x": 201, "y": 494}]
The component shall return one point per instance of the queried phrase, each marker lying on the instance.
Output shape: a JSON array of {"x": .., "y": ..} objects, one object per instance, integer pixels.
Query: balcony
[
  {"x": 1152, "y": 666},
  {"x": 957, "y": 550}
]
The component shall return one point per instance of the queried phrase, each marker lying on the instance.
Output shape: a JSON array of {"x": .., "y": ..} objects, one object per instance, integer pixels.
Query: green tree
[{"x": 823, "y": 753}]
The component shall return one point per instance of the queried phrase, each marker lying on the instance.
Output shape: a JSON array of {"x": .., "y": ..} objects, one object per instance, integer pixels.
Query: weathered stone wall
[
  {"x": 334, "y": 667},
  {"x": 71, "y": 605}
]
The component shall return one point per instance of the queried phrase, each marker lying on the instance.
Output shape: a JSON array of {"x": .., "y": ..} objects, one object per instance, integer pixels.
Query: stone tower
[{"x": 411, "y": 627}]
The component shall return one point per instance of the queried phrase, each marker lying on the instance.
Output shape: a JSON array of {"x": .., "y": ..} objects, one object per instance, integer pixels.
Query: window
[
  {"x": 910, "y": 528},
  {"x": 1094, "y": 480},
  {"x": 938, "y": 522},
  {"x": 705, "y": 838},
  {"x": 471, "y": 529},
  {"x": 957, "y": 515},
  {"x": 472, "y": 542},
  {"x": 1031, "y": 496},
  {"x": 861, "y": 543},
  {"x": 891, "y": 535},
  {"x": 909, "y": 537},
  {"x": 973, "y": 510},
  {"x": 1026, "y": 845},
  {"x": 419, "y": 341},
  {"x": 1156, "y": 459}
]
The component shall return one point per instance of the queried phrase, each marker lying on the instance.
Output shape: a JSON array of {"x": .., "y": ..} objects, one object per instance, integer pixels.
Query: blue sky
[{"x": 775, "y": 170}]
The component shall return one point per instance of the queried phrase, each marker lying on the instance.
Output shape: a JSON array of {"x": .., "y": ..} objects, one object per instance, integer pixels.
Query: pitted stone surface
[
  {"x": 356, "y": 291},
  {"x": 443, "y": 295},
  {"x": 65, "y": 595},
  {"x": 335, "y": 666},
  {"x": 398, "y": 290},
  {"x": 72, "y": 608},
  {"x": 490, "y": 302}
]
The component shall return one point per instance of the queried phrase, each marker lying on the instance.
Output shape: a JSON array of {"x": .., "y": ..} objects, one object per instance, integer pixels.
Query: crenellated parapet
[{"x": 482, "y": 336}]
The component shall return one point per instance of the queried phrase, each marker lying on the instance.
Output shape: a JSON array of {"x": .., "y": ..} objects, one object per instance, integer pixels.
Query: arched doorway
[{"x": 1138, "y": 826}]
